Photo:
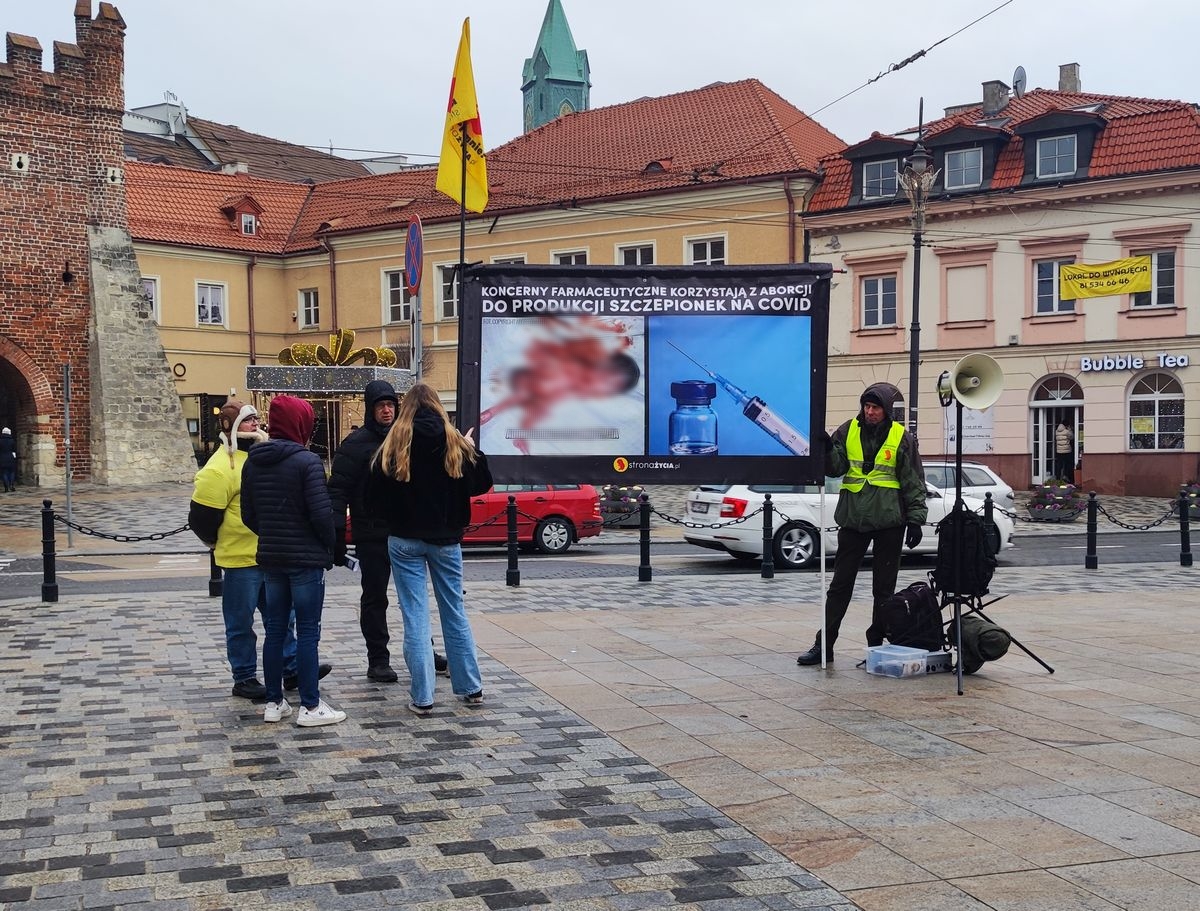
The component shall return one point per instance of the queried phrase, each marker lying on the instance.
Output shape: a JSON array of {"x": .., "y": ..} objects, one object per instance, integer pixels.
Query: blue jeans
[
  {"x": 409, "y": 558},
  {"x": 241, "y": 595},
  {"x": 302, "y": 591}
]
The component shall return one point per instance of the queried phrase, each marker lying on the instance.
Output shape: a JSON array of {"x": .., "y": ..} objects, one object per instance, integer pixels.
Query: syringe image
[{"x": 756, "y": 410}]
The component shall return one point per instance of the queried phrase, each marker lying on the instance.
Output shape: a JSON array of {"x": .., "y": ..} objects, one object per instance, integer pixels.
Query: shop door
[{"x": 1045, "y": 427}]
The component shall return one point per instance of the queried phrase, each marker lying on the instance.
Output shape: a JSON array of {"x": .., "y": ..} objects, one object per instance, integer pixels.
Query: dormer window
[
  {"x": 249, "y": 223},
  {"x": 964, "y": 168},
  {"x": 879, "y": 179},
  {"x": 1056, "y": 156}
]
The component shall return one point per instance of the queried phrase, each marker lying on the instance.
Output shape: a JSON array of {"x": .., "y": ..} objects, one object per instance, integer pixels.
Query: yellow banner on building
[{"x": 1121, "y": 276}]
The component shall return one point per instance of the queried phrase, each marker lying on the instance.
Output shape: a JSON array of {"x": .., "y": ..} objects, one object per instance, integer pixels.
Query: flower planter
[
  {"x": 1054, "y": 515},
  {"x": 1056, "y": 503},
  {"x": 619, "y": 506}
]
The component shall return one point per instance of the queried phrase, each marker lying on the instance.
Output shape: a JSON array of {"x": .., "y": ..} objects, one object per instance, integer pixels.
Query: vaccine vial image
[{"x": 693, "y": 424}]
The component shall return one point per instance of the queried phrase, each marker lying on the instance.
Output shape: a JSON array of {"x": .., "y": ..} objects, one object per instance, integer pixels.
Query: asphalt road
[{"x": 188, "y": 570}]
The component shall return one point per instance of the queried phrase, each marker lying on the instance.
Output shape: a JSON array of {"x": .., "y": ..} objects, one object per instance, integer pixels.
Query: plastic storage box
[{"x": 896, "y": 661}]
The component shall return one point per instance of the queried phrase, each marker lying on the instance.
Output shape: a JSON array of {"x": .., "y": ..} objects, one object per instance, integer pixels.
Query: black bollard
[
  {"x": 1091, "y": 561},
  {"x": 1185, "y": 534},
  {"x": 989, "y": 508},
  {"x": 768, "y": 555},
  {"x": 512, "y": 576},
  {"x": 216, "y": 582},
  {"x": 644, "y": 572},
  {"x": 49, "y": 585}
]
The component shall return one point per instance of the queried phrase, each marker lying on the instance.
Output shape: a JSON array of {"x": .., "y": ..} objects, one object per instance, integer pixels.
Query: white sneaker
[
  {"x": 322, "y": 714},
  {"x": 276, "y": 710}
]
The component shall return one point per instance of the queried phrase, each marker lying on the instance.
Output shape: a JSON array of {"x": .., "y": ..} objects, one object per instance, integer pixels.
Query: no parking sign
[{"x": 414, "y": 255}]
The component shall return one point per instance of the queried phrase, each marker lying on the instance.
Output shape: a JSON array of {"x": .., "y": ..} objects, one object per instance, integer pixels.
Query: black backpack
[
  {"x": 974, "y": 537},
  {"x": 913, "y": 618}
]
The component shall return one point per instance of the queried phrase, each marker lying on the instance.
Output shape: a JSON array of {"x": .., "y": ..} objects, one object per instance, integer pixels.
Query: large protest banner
[{"x": 665, "y": 375}]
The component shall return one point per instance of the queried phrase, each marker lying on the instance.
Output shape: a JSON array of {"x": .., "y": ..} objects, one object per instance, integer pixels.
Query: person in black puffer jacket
[
  {"x": 348, "y": 477},
  {"x": 285, "y": 503},
  {"x": 421, "y": 483}
]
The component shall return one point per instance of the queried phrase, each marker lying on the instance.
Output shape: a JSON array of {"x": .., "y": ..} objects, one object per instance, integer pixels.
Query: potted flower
[
  {"x": 619, "y": 505},
  {"x": 1056, "y": 501}
]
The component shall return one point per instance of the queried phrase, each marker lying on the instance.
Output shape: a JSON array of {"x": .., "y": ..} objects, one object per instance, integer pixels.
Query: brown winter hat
[{"x": 231, "y": 416}]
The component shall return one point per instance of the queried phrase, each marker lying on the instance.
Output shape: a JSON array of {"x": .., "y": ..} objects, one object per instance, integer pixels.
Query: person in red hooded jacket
[{"x": 285, "y": 502}]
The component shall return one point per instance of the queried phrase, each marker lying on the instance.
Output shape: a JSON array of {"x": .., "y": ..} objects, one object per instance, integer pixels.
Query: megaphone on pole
[{"x": 976, "y": 381}]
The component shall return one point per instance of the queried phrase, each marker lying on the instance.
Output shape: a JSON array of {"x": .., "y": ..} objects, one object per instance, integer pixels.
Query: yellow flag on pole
[{"x": 462, "y": 117}]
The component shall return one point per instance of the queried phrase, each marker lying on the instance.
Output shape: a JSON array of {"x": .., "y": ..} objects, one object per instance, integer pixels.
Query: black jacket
[
  {"x": 431, "y": 506},
  {"x": 285, "y": 503},
  {"x": 8, "y": 450},
  {"x": 351, "y": 464}
]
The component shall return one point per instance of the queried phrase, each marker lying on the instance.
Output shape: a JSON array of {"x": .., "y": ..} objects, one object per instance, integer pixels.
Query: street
[{"x": 187, "y": 570}]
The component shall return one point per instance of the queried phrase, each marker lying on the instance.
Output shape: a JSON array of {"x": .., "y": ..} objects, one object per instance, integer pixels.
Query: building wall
[{"x": 978, "y": 295}]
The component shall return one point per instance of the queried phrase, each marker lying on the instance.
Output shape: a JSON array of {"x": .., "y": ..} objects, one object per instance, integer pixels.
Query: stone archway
[{"x": 27, "y": 406}]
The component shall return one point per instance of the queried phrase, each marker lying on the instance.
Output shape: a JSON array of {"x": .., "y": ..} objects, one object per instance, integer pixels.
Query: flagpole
[{"x": 462, "y": 266}]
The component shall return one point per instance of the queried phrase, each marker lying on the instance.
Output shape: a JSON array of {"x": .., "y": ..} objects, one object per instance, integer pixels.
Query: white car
[
  {"x": 798, "y": 520},
  {"x": 977, "y": 480}
]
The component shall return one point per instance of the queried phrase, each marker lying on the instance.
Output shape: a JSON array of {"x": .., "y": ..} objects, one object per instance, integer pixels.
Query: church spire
[{"x": 556, "y": 78}]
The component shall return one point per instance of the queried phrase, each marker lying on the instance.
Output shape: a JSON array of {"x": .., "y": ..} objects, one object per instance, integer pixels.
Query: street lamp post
[{"x": 916, "y": 179}]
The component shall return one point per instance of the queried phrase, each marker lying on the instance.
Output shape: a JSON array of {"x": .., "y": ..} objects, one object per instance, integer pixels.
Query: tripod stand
[{"x": 953, "y": 530}]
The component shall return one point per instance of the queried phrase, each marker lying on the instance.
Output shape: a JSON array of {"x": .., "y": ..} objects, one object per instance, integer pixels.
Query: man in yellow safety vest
[{"x": 881, "y": 506}]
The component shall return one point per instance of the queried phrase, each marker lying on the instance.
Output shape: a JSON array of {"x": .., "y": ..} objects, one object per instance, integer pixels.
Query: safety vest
[{"x": 884, "y": 472}]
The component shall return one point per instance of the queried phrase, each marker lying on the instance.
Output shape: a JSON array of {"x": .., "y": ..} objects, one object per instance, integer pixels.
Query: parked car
[
  {"x": 798, "y": 521},
  {"x": 550, "y": 517},
  {"x": 977, "y": 480}
]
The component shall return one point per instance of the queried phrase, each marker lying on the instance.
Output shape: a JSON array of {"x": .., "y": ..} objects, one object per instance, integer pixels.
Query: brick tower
[{"x": 69, "y": 282}]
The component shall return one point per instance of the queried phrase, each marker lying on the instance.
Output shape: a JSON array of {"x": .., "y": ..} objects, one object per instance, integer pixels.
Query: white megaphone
[{"x": 975, "y": 382}]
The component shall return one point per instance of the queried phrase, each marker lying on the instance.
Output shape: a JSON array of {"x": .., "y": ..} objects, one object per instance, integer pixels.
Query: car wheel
[
  {"x": 553, "y": 536},
  {"x": 796, "y": 546}
]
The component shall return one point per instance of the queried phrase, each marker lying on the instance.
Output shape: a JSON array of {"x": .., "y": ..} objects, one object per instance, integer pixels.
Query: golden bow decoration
[{"x": 340, "y": 353}]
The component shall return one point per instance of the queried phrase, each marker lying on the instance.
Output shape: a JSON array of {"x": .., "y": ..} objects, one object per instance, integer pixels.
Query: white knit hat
[{"x": 6, "y": 430}]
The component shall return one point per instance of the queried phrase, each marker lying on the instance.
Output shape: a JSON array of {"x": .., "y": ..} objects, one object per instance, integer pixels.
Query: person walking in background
[
  {"x": 8, "y": 460},
  {"x": 420, "y": 484},
  {"x": 347, "y": 479},
  {"x": 1064, "y": 453},
  {"x": 215, "y": 515},
  {"x": 285, "y": 502},
  {"x": 881, "y": 505}
]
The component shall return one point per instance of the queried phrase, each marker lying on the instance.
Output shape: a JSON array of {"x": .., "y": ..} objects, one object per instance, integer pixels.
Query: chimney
[
  {"x": 235, "y": 167},
  {"x": 995, "y": 97},
  {"x": 1068, "y": 78}
]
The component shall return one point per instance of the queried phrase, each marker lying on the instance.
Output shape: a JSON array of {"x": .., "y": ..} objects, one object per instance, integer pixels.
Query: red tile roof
[
  {"x": 182, "y": 206},
  {"x": 721, "y": 133},
  {"x": 1140, "y": 136}
]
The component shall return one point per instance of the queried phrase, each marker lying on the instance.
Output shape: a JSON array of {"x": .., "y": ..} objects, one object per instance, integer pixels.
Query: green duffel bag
[{"x": 982, "y": 641}]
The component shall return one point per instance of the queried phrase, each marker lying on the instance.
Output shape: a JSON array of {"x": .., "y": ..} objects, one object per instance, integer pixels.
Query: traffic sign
[{"x": 414, "y": 255}]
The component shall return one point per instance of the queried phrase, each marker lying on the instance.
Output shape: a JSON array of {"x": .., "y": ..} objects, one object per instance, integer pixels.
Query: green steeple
[{"x": 556, "y": 79}]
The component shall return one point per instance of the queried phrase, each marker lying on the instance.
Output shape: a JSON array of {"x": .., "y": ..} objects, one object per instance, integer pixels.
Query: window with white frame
[
  {"x": 1056, "y": 156},
  {"x": 310, "y": 308},
  {"x": 879, "y": 179},
  {"x": 1162, "y": 280},
  {"x": 636, "y": 255},
  {"x": 509, "y": 260},
  {"x": 964, "y": 168},
  {"x": 707, "y": 251},
  {"x": 878, "y": 301},
  {"x": 449, "y": 286},
  {"x": 249, "y": 223},
  {"x": 150, "y": 295},
  {"x": 1156, "y": 413},
  {"x": 210, "y": 304},
  {"x": 399, "y": 301},
  {"x": 1046, "y": 287},
  {"x": 571, "y": 258}
]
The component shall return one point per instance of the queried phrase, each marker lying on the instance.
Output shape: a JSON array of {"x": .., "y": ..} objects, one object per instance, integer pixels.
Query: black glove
[
  {"x": 912, "y": 536},
  {"x": 339, "y": 552},
  {"x": 825, "y": 441}
]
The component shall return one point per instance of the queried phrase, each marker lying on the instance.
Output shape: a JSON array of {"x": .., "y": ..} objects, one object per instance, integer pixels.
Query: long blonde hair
[{"x": 393, "y": 455}]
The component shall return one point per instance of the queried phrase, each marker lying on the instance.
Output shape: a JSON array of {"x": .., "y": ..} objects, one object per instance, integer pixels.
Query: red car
[{"x": 550, "y": 517}]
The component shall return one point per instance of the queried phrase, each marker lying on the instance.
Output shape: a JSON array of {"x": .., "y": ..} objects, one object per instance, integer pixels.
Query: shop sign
[{"x": 1129, "y": 362}]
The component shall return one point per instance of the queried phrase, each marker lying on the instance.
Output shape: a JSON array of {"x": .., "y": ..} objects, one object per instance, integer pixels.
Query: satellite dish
[{"x": 1019, "y": 82}]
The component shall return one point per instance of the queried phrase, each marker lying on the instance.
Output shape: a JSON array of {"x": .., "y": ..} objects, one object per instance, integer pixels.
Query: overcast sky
[{"x": 372, "y": 76}]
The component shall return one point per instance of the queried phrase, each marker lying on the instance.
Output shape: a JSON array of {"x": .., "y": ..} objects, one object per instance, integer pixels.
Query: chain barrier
[
  {"x": 673, "y": 520},
  {"x": 124, "y": 539},
  {"x": 485, "y": 522},
  {"x": 1171, "y": 513}
]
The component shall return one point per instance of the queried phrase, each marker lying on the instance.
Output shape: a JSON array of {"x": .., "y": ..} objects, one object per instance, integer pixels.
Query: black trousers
[
  {"x": 886, "y": 545},
  {"x": 375, "y": 568},
  {"x": 1064, "y": 467}
]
